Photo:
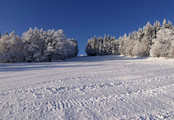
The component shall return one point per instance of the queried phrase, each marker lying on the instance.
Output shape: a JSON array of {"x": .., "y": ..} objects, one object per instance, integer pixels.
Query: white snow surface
[{"x": 88, "y": 88}]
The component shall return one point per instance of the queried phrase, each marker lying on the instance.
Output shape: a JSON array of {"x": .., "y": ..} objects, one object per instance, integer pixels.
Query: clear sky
[{"x": 82, "y": 19}]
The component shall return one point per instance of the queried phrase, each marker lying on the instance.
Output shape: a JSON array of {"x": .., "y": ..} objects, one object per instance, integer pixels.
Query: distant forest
[{"x": 37, "y": 45}]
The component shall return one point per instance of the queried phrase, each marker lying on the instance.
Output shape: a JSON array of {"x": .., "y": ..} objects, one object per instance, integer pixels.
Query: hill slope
[{"x": 107, "y": 87}]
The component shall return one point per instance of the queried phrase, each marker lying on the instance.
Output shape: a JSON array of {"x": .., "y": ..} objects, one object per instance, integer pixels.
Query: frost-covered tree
[
  {"x": 139, "y": 43},
  {"x": 147, "y": 39},
  {"x": 34, "y": 45},
  {"x": 126, "y": 45},
  {"x": 102, "y": 46},
  {"x": 73, "y": 48},
  {"x": 164, "y": 44},
  {"x": 170, "y": 25},
  {"x": 156, "y": 28},
  {"x": 167, "y": 25},
  {"x": 37, "y": 45},
  {"x": 90, "y": 48},
  {"x": 164, "y": 23},
  {"x": 11, "y": 48},
  {"x": 48, "y": 45},
  {"x": 59, "y": 47}
]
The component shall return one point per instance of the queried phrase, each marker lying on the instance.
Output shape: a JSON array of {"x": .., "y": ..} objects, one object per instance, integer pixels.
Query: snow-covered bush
[
  {"x": 164, "y": 44},
  {"x": 37, "y": 46}
]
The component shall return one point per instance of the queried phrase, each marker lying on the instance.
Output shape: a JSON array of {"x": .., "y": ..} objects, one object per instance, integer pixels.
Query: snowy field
[{"x": 87, "y": 88}]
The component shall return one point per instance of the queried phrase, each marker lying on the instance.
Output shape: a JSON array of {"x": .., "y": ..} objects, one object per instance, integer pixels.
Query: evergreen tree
[
  {"x": 102, "y": 46},
  {"x": 164, "y": 23}
]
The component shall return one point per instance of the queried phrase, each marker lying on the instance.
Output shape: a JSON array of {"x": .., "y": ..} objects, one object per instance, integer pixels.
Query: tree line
[
  {"x": 37, "y": 45},
  {"x": 152, "y": 40}
]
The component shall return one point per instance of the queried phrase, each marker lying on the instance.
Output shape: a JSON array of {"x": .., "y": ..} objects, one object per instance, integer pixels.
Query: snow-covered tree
[
  {"x": 167, "y": 25},
  {"x": 156, "y": 28},
  {"x": 49, "y": 45},
  {"x": 11, "y": 48},
  {"x": 139, "y": 43},
  {"x": 37, "y": 45},
  {"x": 102, "y": 46},
  {"x": 34, "y": 45},
  {"x": 164, "y": 23},
  {"x": 164, "y": 44},
  {"x": 147, "y": 39}
]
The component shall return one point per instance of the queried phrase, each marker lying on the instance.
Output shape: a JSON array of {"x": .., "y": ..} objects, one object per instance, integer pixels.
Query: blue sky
[{"x": 82, "y": 19}]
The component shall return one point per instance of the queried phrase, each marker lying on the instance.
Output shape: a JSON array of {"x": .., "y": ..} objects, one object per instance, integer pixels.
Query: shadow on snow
[{"x": 19, "y": 67}]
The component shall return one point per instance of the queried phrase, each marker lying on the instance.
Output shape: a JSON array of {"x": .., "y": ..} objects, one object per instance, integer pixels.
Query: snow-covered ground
[{"x": 107, "y": 87}]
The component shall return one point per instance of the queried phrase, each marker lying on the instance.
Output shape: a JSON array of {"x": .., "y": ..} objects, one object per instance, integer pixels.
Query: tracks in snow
[
  {"x": 117, "y": 90},
  {"x": 89, "y": 100}
]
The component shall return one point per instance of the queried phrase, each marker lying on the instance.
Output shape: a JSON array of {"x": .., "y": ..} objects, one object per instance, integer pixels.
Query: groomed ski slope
[{"x": 87, "y": 88}]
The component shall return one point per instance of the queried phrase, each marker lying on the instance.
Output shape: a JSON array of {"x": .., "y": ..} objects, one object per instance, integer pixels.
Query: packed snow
[{"x": 87, "y": 88}]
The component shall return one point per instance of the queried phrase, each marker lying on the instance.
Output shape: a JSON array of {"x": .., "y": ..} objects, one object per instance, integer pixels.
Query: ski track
[{"x": 86, "y": 88}]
